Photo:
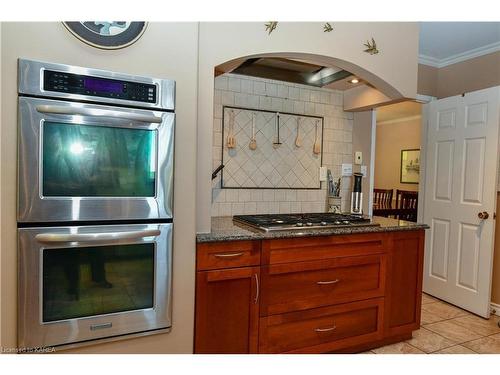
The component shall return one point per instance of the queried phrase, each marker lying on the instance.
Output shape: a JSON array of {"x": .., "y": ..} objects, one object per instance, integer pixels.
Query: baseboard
[{"x": 495, "y": 307}]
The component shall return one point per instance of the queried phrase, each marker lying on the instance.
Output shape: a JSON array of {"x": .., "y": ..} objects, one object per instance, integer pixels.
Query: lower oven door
[{"x": 92, "y": 282}]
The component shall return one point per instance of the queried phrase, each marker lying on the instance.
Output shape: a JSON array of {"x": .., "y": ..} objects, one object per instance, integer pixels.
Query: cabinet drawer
[
  {"x": 216, "y": 255},
  {"x": 318, "y": 248},
  {"x": 305, "y": 285},
  {"x": 322, "y": 330}
]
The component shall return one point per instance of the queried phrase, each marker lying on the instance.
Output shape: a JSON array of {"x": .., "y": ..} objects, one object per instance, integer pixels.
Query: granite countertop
[{"x": 223, "y": 229}]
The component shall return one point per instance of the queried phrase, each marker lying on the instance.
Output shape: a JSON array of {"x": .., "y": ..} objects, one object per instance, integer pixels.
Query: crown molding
[
  {"x": 459, "y": 57},
  {"x": 428, "y": 60},
  {"x": 400, "y": 119}
]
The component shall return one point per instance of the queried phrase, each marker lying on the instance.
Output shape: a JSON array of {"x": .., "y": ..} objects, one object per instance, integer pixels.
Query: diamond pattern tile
[{"x": 271, "y": 166}]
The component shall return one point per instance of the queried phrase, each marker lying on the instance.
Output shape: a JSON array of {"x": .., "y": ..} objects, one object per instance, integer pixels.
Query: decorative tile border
[{"x": 269, "y": 166}]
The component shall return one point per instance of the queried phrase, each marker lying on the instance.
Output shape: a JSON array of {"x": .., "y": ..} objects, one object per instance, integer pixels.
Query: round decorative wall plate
[{"x": 107, "y": 34}]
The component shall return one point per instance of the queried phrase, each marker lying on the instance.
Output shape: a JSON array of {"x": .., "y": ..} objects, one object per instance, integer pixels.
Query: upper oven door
[{"x": 85, "y": 162}]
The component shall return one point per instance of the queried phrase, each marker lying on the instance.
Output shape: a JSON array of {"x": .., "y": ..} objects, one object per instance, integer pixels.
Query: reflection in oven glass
[
  {"x": 88, "y": 281},
  {"x": 98, "y": 161}
]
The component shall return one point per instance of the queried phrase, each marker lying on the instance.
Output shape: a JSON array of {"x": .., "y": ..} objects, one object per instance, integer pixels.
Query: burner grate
[{"x": 298, "y": 221}]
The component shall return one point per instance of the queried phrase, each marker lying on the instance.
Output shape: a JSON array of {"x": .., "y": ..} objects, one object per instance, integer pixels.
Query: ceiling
[
  {"x": 444, "y": 43},
  {"x": 395, "y": 113}
]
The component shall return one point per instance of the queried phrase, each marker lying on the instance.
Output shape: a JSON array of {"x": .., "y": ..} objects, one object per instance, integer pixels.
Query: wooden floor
[{"x": 446, "y": 329}]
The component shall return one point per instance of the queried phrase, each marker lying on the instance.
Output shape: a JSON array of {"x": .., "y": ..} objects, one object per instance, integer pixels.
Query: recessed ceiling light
[{"x": 354, "y": 80}]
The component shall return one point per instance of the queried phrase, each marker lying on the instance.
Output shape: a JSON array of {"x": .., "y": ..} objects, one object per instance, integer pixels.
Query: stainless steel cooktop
[{"x": 272, "y": 222}]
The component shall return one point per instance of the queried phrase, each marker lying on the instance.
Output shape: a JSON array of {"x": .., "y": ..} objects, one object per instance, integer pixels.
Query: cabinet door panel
[
  {"x": 404, "y": 282},
  {"x": 227, "y": 310}
]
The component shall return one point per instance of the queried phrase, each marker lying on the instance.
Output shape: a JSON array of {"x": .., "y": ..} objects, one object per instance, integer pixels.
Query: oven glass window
[
  {"x": 98, "y": 161},
  {"x": 88, "y": 281}
]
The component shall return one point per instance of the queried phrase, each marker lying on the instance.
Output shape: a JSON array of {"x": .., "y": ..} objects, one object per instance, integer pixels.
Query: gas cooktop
[{"x": 302, "y": 221}]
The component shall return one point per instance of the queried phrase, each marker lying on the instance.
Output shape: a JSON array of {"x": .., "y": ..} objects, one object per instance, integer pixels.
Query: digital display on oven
[{"x": 102, "y": 85}]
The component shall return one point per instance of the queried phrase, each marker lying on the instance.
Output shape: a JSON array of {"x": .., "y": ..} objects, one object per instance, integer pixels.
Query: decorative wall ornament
[
  {"x": 327, "y": 27},
  {"x": 270, "y": 26},
  {"x": 107, "y": 34},
  {"x": 371, "y": 48}
]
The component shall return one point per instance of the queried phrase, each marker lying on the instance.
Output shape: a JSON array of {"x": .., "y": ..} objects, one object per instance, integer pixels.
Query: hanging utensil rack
[{"x": 276, "y": 141}]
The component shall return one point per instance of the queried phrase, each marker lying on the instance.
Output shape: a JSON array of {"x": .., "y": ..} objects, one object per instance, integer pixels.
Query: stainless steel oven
[
  {"x": 95, "y": 190},
  {"x": 89, "y": 282},
  {"x": 80, "y": 161}
]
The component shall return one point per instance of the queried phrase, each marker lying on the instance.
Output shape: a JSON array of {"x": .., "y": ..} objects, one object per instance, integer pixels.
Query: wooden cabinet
[
  {"x": 211, "y": 256},
  {"x": 322, "y": 330},
  {"x": 304, "y": 285},
  {"x": 227, "y": 310},
  {"x": 308, "y": 295},
  {"x": 404, "y": 282}
]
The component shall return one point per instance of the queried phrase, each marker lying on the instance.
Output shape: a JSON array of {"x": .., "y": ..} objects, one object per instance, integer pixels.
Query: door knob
[{"x": 483, "y": 215}]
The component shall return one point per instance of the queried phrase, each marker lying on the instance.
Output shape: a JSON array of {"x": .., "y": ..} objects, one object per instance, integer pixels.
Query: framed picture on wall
[{"x": 410, "y": 166}]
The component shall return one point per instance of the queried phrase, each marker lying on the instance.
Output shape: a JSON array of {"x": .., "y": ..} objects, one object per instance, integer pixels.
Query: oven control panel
[{"x": 96, "y": 86}]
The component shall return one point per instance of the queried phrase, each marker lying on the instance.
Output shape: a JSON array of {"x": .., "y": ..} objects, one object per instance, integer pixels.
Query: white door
[{"x": 460, "y": 197}]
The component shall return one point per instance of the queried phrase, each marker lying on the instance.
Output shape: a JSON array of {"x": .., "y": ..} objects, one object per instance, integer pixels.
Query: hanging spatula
[
  {"x": 317, "y": 145},
  {"x": 231, "y": 141},
  {"x": 277, "y": 142},
  {"x": 298, "y": 141}
]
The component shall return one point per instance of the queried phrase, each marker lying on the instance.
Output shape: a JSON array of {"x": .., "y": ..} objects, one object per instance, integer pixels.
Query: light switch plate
[
  {"x": 322, "y": 173},
  {"x": 364, "y": 170},
  {"x": 346, "y": 170},
  {"x": 358, "y": 158}
]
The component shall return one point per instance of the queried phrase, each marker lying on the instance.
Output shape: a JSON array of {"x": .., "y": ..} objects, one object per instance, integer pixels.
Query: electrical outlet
[
  {"x": 346, "y": 170},
  {"x": 322, "y": 173},
  {"x": 358, "y": 158},
  {"x": 364, "y": 170}
]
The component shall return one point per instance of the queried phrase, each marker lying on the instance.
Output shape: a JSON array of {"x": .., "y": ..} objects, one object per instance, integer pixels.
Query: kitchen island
[{"x": 341, "y": 290}]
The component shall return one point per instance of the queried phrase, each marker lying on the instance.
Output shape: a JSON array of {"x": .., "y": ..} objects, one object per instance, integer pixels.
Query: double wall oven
[{"x": 95, "y": 196}]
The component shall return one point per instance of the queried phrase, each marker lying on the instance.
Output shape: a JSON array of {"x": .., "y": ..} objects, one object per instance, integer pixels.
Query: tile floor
[{"x": 446, "y": 329}]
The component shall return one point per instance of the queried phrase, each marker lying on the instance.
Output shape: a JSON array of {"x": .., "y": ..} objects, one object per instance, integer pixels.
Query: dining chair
[
  {"x": 408, "y": 201},
  {"x": 382, "y": 198}
]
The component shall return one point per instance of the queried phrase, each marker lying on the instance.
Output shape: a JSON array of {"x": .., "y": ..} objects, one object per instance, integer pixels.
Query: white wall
[
  {"x": 166, "y": 50},
  {"x": 266, "y": 94},
  {"x": 393, "y": 71},
  {"x": 363, "y": 139}
]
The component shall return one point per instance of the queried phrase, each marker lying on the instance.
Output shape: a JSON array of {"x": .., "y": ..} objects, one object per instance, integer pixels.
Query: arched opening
[
  {"x": 386, "y": 91},
  {"x": 282, "y": 136}
]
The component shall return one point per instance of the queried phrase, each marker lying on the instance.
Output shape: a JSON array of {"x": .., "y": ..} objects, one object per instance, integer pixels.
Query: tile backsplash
[{"x": 265, "y": 94}]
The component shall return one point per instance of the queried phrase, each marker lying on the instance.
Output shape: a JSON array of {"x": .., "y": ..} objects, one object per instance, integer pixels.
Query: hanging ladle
[{"x": 253, "y": 143}]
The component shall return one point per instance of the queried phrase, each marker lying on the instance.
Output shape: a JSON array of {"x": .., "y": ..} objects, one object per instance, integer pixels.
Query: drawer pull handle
[
  {"x": 325, "y": 329},
  {"x": 228, "y": 255},
  {"x": 257, "y": 288},
  {"x": 328, "y": 282}
]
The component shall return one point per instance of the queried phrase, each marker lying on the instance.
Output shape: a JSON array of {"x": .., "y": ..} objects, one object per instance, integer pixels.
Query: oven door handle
[
  {"x": 95, "y": 237},
  {"x": 70, "y": 110}
]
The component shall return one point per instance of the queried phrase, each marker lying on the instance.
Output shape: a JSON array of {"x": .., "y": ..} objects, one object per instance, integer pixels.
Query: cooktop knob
[
  {"x": 336, "y": 222},
  {"x": 309, "y": 224},
  {"x": 346, "y": 222},
  {"x": 299, "y": 224},
  {"x": 324, "y": 223}
]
